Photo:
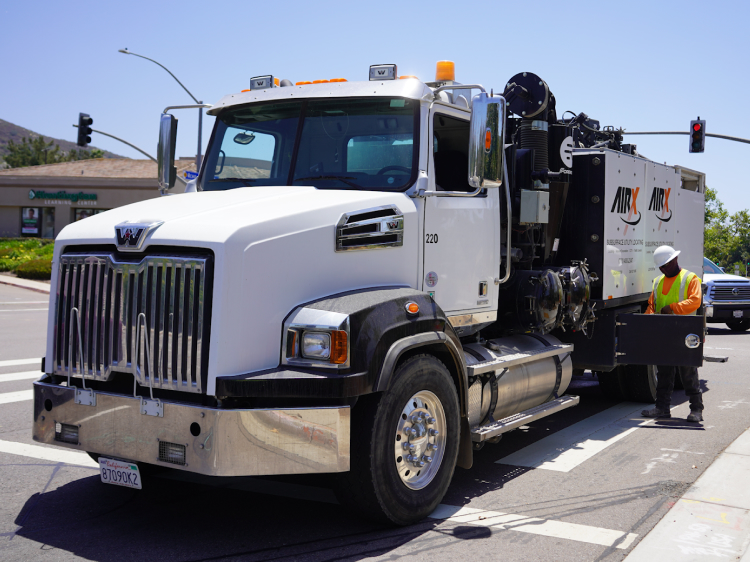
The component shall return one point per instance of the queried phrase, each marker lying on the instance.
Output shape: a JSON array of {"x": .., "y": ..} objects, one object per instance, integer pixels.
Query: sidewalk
[
  {"x": 37, "y": 286},
  {"x": 712, "y": 519}
]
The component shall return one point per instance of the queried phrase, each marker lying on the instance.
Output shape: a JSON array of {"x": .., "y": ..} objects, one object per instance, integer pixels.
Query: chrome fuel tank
[{"x": 521, "y": 386}]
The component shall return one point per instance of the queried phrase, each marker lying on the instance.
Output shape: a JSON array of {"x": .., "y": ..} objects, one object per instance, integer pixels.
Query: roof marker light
[
  {"x": 320, "y": 81},
  {"x": 383, "y": 72},
  {"x": 445, "y": 71},
  {"x": 405, "y": 77},
  {"x": 263, "y": 82},
  {"x": 338, "y": 80},
  {"x": 303, "y": 83}
]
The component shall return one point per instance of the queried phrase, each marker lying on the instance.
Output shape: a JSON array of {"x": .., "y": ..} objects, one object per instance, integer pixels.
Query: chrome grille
[
  {"x": 722, "y": 293},
  {"x": 172, "y": 292}
]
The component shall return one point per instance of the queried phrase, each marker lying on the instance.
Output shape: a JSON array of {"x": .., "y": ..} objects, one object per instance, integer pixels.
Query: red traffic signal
[{"x": 697, "y": 135}]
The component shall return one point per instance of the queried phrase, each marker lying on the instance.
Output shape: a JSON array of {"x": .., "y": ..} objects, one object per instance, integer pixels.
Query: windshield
[
  {"x": 710, "y": 267},
  {"x": 361, "y": 143}
]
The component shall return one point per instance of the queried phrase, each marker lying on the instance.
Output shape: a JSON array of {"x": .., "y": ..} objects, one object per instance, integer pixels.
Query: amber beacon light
[{"x": 445, "y": 71}]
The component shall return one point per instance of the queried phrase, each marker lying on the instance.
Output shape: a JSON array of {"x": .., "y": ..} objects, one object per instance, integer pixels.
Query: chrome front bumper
[{"x": 229, "y": 442}]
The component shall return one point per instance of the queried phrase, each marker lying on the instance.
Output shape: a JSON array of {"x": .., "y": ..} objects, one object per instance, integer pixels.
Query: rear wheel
[
  {"x": 404, "y": 445},
  {"x": 639, "y": 382},
  {"x": 739, "y": 325},
  {"x": 610, "y": 385}
]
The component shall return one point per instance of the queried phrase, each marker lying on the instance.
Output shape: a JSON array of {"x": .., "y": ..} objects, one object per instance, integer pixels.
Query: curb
[{"x": 25, "y": 284}]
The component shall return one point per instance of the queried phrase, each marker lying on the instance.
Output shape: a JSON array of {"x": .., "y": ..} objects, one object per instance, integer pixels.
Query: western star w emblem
[
  {"x": 131, "y": 235},
  {"x": 128, "y": 236},
  {"x": 392, "y": 225}
]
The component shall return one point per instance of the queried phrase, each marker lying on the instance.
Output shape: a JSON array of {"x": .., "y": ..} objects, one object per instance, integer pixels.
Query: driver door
[{"x": 462, "y": 234}]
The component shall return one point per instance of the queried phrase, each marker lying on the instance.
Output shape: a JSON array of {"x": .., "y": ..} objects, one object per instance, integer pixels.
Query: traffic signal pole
[
  {"x": 726, "y": 137},
  {"x": 146, "y": 154}
]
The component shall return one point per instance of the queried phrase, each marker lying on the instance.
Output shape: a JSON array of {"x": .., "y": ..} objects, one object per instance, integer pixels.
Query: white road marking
[
  {"x": 22, "y": 310},
  {"x": 21, "y": 395},
  {"x": 535, "y": 526},
  {"x": 47, "y": 454},
  {"x": 7, "y": 377},
  {"x": 16, "y": 362},
  {"x": 566, "y": 449},
  {"x": 25, "y": 302},
  {"x": 681, "y": 451}
]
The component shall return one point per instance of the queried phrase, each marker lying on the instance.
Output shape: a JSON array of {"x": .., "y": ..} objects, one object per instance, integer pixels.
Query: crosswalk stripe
[
  {"x": 535, "y": 526},
  {"x": 16, "y": 362},
  {"x": 21, "y": 395},
  {"x": 24, "y": 302},
  {"x": 22, "y": 310},
  {"x": 47, "y": 453},
  {"x": 7, "y": 377},
  {"x": 566, "y": 449}
]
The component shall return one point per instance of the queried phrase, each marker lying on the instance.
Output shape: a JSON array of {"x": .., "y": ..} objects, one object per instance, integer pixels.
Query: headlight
[
  {"x": 316, "y": 345},
  {"x": 316, "y": 338}
]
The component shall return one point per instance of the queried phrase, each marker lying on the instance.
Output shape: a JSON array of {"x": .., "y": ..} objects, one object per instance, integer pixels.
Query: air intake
[{"x": 370, "y": 229}]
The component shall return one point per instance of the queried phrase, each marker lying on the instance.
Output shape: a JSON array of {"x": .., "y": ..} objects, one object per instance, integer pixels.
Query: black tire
[
  {"x": 739, "y": 325},
  {"x": 611, "y": 385},
  {"x": 639, "y": 382},
  {"x": 374, "y": 486}
]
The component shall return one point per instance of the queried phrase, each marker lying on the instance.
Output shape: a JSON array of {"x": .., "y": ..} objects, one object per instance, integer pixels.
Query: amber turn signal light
[{"x": 339, "y": 347}]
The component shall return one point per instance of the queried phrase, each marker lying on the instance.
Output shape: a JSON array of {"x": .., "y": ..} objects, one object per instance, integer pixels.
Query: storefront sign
[{"x": 62, "y": 196}]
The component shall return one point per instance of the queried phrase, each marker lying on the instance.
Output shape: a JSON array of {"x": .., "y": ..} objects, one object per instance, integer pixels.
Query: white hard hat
[{"x": 664, "y": 254}]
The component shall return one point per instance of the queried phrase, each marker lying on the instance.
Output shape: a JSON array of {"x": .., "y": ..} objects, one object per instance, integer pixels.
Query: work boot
[
  {"x": 655, "y": 413},
  {"x": 695, "y": 416}
]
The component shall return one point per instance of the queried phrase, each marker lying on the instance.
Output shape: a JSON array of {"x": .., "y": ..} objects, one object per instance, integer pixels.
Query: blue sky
[{"x": 638, "y": 65}]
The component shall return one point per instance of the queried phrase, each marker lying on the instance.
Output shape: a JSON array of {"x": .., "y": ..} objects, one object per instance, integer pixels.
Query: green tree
[
  {"x": 38, "y": 151},
  {"x": 726, "y": 237}
]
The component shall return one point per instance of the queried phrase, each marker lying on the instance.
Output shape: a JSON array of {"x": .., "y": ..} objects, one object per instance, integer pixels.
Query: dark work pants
[{"x": 665, "y": 385}]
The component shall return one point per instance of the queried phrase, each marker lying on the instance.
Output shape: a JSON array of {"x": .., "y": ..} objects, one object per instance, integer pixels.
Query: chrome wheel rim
[{"x": 419, "y": 444}]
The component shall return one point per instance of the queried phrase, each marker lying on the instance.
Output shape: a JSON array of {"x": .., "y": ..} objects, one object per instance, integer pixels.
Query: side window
[
  {"x": 451, "y": 153},
  {"x": 245, "y": 154}
]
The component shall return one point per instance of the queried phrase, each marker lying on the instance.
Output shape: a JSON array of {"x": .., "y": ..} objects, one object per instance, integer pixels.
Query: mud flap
[
  {"x": 465, "y": 449},
  {"x": 656, "y": 339}
]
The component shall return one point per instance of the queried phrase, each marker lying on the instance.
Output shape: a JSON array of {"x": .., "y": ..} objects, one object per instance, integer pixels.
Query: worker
[{"x": 677, "y": 291}]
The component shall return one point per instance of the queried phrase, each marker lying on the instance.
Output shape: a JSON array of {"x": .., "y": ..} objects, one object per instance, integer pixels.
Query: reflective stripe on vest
[{"x": 677, "y": 292}]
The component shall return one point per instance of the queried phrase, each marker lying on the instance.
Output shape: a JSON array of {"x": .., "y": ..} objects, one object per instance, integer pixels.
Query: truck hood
[
  {"x": 208, "y": 218},
  {"x": 724, "y": 278}
]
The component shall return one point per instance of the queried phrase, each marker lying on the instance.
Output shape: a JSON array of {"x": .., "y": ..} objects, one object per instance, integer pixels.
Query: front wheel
[{"x": 404, "y": 445}]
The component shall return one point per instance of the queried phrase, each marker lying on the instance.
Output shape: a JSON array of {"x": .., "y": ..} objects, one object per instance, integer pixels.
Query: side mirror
[
  {"x": 166, "y": 152},
  {"x": 486, "y": 141}
]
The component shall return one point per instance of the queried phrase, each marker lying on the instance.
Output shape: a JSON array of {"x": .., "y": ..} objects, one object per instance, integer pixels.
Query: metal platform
[
  {"x": 517, "y": 420},
  {"x": 506, "y": 361}
]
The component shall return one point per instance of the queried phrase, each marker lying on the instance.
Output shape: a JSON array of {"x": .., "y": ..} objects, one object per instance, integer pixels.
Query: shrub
[{"x": 35, "y": 269}]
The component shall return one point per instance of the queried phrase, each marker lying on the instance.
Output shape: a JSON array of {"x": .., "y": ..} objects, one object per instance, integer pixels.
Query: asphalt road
[{"x": 585, "y": 484}]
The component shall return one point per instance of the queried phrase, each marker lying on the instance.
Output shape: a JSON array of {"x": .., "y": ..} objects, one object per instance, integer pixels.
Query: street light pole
[{"x": 198, "y": 157}]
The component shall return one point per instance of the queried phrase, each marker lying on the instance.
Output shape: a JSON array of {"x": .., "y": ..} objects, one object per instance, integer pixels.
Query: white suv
[{"x": 726, "y": 298}]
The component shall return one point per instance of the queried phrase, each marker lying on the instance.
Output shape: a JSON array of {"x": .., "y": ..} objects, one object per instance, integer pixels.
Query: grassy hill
[{"x": 9, "y": 131}]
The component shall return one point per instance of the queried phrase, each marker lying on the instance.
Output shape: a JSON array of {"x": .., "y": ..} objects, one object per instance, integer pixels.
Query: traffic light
[
  {"x": 84, "y": 129},
  {"x": 697, "y": 135}
]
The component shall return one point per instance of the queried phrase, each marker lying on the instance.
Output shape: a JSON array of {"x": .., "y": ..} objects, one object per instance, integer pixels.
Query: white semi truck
[{"x": 368, "y": 278}]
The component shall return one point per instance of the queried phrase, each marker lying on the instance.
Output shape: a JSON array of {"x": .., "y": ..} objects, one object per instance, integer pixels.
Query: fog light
[
  {"x": 316, "y": 345},
  {"x": 172, "y": 453},
  {"x": 709, "y": 311},
  {"x": 66, "y": 433}
]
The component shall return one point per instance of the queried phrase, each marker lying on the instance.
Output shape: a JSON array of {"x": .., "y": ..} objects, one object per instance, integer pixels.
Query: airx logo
[
  {"x": 625, "y": 201},
  {"x": 660, "y": 204}
]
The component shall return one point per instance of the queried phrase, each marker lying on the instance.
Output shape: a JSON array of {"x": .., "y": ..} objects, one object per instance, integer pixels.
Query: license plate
[
  {"x": 120, "y": 473},
  {"x": 737, "y": 314}
]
